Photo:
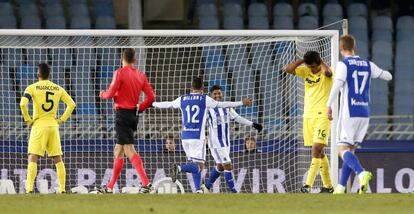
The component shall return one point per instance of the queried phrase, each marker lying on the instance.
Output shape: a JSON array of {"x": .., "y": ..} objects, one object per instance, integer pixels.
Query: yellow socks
[
  {"x": 313, "y": 171},
  {"x": 326, "y": 177},
  {"x": 61, "y": 175},
  {"x": 31, "y": 175}
]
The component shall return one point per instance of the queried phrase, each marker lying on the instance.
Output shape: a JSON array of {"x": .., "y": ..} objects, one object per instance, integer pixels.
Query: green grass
[{"x": 210, "y": 204}]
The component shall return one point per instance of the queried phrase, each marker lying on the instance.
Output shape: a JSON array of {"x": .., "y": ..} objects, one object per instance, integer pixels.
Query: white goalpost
[{"x": 243, "y": 62}]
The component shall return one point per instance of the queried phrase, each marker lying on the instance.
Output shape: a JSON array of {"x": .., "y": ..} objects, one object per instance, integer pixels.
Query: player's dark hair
[
  {"x": 312, "y": 57},
  {"x": 44, "y": 71},
  {"x": 128, "y": 55},
  {"x": 347, "y": 43},
  {"x": 197, "y": 83},
  {"x": 215, "y": 87}
]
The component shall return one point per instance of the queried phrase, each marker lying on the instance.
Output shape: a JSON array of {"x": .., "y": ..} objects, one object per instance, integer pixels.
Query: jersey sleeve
[
  {"x": 24, "y": 103},
  {"x": 341, "y": 71},
  {"x": 174, "y": 104},
  {"x": 377, "y": 72},
  {"x": 113, "y": 87},
  {"x": 70, "y": 105},
  {"x": 301, "y": 71},
  {"x": 149, "y": 95},
  {"x": 211, "y": 103},
  {"x": 239, "y": 119}
]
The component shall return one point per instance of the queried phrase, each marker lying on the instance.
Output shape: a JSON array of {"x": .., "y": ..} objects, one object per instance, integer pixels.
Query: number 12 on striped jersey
[{"x": 192, "y": 114}]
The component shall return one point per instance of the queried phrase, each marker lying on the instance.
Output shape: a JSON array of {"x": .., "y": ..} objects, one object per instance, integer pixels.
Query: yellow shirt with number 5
[{"x": 45, "y": 96}]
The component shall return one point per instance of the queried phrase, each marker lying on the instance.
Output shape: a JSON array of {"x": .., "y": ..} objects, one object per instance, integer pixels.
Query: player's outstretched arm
[
  {"x": 211, "y": 103},
  {"x": 173, "y": 104},
  {"x": 379, "y": 73},
  {"x": 24, "y": 107},
  {"x": 290, "y": 68},
  {"x": 236, "y": 117},
  {"x": 70, "y": 106}
]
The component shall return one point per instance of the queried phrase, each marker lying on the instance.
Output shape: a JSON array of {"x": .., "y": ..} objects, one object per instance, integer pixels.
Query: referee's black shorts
[{"x": 126, "y": 122}]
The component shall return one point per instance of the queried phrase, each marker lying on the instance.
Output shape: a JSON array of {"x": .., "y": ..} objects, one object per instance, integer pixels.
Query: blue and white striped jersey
[
  {"x": 194, "y": 107},
  {"x": 219, "y": 125}
]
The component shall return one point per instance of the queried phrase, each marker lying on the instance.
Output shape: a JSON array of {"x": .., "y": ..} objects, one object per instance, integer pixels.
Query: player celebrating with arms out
[
  {"x": 316, "y": 126},
  {"x": 194, "y": 107},
  {"x": 44, "y": 135},
  {"x": 219, "y": 140},
  {"x": 353, "y": 78},
  {"x": 126, "y": 87}
]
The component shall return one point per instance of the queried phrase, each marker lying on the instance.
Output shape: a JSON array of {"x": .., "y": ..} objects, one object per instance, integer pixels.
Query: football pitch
[{"x": 211, "y": 204}]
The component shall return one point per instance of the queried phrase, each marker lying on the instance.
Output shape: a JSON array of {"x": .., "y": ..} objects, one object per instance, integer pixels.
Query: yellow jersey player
[
  {"x": 44, "y": 136},
  {"x": 316, "y": 126}
]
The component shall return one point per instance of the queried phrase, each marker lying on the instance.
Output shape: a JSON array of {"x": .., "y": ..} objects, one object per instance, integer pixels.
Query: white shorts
[
  {"x": 195, "y": 150},
  {"x": 221, "y": 155},
  {"x": 352, "y": 131}
]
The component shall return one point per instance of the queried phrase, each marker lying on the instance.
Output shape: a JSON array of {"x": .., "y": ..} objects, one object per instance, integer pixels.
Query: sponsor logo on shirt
[
  {"x": 309, "y": 81},
  {"x": 358, "y": 103},
  {"x": 191, "y": 129}
]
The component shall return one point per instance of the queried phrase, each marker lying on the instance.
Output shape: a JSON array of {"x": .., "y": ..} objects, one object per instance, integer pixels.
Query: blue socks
[
  {"x": 190, "y": 167},
  {"x": 352, "y": 161},
  {"x": 197, "y": 180},
  {"x": 228, "y": 175},
  {"x": 196, "y": 172},
  {"x": 214, "y": 174},
  {"x": 345, "y": 173}
]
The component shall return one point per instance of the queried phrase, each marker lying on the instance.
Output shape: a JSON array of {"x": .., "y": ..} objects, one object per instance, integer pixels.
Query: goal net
[{"x": 243, "y": 63}]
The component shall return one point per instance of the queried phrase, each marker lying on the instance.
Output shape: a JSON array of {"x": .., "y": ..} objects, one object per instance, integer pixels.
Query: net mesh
[{"x": 243, "y": 66}]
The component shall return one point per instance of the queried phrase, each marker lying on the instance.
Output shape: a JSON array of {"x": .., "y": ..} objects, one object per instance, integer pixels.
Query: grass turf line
[{"x": 210, "y": 204}]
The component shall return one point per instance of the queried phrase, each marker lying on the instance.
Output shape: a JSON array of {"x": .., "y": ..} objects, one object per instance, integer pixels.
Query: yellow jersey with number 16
[
  {"x": 46, "y": 96},
  {"x": 317, "y": 89}
]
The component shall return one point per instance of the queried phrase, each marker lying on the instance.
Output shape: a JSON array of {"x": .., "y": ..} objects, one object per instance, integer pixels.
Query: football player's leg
[
  {"x": 364, "y": 177},
  {"x": 31, "y": 172},
  {"x": 216, "y": 171},
  {"x": 228, "y": 176},
  {"x": 54, "y": 150},
  {"x": 315, "y": 163},
  {"x": 325, "y": 174},
  {"x": 191, "y": 152},
  {"x": 197, "y": 176},
  {"x": 37, "y": 148},
  {"x": 324, "y": 126},
  {"x": 345, "y": 173},
  {"x": 61, "y": 173}
]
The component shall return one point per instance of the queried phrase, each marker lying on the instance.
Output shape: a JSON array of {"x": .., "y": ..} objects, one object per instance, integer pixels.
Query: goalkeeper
[
  {"x": 44, "y": 136},
  {"x": 316, "y": 126}
]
